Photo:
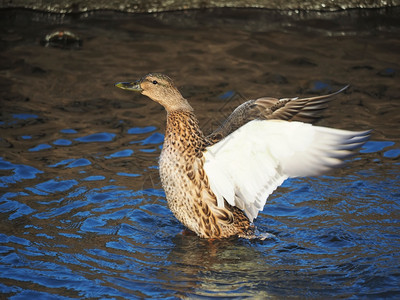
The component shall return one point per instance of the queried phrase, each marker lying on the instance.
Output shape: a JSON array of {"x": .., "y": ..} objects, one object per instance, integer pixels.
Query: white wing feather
[{"x": 249, "y": 164}]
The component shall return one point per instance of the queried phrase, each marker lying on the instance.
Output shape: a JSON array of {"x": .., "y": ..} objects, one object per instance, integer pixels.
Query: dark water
[{"x": 83, "y": 214}]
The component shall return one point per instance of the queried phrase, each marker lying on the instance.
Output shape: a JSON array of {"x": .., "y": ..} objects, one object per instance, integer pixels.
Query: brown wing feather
[{"x": 266, "y": 108}]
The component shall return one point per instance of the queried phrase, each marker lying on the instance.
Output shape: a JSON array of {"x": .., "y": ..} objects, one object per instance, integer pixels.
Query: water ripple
[
  {"x": 21, "y": 172},
  {"x": 40, "y": 147}
]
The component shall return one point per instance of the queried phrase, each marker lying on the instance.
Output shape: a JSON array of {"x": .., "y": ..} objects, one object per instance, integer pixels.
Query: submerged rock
[{"x": 62, "y": 39}]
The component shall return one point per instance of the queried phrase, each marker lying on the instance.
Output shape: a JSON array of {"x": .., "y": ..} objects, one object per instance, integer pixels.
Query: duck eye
[{"x": 155, "y": 81}]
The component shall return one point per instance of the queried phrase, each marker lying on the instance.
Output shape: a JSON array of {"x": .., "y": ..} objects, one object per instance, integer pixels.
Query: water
[{"x": 83, "y": 214}]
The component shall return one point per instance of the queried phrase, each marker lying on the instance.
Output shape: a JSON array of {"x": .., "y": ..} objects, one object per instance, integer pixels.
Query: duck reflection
[{"x": 200, "y": 267}]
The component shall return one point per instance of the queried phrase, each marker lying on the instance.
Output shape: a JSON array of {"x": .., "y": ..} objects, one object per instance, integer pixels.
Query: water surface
[{"x": 83, "y": 214}]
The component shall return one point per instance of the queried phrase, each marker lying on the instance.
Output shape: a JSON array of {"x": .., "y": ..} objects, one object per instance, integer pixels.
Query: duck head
[{"x": 160, "y": 88}]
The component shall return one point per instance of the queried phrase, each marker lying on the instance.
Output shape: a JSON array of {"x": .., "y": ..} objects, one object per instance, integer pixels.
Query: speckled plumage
[
  {"x": 216, "y": 185},
  {"x": 186, "y": 184}
]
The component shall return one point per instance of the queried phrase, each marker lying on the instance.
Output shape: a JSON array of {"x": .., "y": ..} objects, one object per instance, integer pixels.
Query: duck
[{"x": 216, "y": 184}]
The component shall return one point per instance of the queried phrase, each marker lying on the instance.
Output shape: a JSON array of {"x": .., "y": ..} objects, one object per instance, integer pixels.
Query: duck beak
[{"x": 130, "y": 86}]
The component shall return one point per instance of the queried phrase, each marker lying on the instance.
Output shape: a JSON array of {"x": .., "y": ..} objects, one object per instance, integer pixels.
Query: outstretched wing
[
  {"x": 249, "y": 164},
  {"x": 266, "y": 108}
]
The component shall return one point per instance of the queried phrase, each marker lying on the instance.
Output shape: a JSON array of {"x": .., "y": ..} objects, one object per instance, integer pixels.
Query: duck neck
[
  {"x": 183, "y": 130},
  {"x": 179, "y": 104}
]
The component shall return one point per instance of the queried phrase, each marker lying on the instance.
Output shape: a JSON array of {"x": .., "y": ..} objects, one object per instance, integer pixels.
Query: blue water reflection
[
  {"x": 122, "y": 153},
  {"x": 375, "y": 146},
  {"x": 72, "y": 163},
  {"x": 40, "y": 147},
  {"x": 155, "y": 138},
  {"x": 19, "y": 118},
  {"x": 393, "y": 153},
  {"x": 62, "y": 142},
  {"x": 68, "y": 131},
  {"x": 63, "y": 162},
  {"x": 128, "y": 174},
  {"x": 114, "y": 241},
  {"x": 52, "y": 186},
  {"x": 80, "y": 162},
  {"x": 97, "y": 137},
  {"x": 14, "y": 207},
  {"x": 20, "y": 172},
  {"x": 94, "y": 178},
  {"x": 24, "y": 116},
  {"x": 140, "y": 130}
]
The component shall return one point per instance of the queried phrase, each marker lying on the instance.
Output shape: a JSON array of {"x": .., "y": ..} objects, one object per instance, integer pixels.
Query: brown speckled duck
[{"x": 216, "y": 185}]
